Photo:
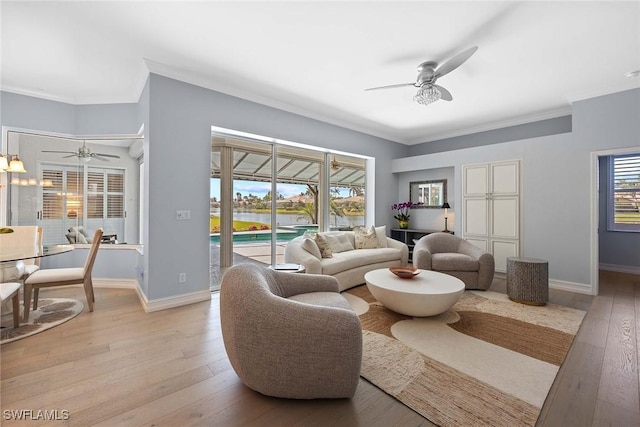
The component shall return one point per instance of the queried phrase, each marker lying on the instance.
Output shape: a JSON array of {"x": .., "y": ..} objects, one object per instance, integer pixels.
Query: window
[
  {"x": 81, "y": 195},
  {"x": 624, "y": 193}
]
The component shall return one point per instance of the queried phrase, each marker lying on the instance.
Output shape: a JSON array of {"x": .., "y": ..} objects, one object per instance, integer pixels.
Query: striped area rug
[{"x": 487, "y": 361}]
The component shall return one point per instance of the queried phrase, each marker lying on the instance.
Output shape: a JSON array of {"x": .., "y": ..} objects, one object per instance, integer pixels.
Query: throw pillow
[
  {"x": 381, "y": 232},
  {"x": 323, "y": 245},
  {"x": 339, "y": 242},
  {"x": 76, "y": 237},
  {"x": 366, "y": 239},
  {"x": 309, "y": 245}
]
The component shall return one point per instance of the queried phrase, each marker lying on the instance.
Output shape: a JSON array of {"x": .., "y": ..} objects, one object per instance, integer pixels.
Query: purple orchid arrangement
[{"x": 403, "y": 210}]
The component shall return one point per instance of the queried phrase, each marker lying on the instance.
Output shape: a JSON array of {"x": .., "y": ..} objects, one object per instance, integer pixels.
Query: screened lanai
[{"x": 249, "y": 226}]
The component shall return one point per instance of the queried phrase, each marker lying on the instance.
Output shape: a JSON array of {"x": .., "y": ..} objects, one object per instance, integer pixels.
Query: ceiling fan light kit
[
  {"x": 428, "y": 73},
  {"x": 427, "y": 94}
]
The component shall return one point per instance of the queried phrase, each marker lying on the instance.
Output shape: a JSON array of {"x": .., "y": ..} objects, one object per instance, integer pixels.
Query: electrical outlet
[
  {"x": 183, "y": 214},
  {"x": 182, "y": 277}
]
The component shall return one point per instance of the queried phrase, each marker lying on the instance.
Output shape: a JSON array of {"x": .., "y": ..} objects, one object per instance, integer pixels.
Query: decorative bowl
[{"x": 404, "y": 272}]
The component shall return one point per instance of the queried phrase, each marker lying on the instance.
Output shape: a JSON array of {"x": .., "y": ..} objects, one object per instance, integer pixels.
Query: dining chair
[
  {"x": 32, "y": 265},
  {"x": 49, "y": 277},
  {"x": 11, "y": 290},
  {"x": 22, "y": 243}
]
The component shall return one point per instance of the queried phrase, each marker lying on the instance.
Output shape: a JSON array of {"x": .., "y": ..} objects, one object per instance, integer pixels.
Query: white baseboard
[
  {"x": 171, "y": 302},
  {"x": 579, "y": 288},
  {"x": 620, "y": 268},
  {"x": 152, "y": 305},
  {"x": 115, "y": 283}
]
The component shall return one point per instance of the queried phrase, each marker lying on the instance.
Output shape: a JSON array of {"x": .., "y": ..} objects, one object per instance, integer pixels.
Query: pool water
[{"x": 283, "y": 234}]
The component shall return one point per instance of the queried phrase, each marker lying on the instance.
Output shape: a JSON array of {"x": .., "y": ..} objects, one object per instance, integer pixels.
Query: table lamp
[{"x": 445, "y": 206}]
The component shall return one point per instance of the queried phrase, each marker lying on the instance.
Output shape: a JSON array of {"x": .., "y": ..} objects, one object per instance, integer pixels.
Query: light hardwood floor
[{"x": 119, "y": 366}]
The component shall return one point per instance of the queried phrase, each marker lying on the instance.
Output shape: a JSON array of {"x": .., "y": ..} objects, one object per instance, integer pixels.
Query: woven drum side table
[{"x": 528, "y": 280}]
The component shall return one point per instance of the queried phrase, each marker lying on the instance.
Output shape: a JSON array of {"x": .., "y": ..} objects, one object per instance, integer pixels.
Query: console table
[{"x": 409, "y": 236}]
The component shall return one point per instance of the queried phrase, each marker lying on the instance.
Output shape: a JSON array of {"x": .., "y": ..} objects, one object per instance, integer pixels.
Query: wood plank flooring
[{"x": 119, "y": 366}]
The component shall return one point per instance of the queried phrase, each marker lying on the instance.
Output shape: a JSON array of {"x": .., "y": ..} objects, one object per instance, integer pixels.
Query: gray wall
[
  {"x": 510, "y": 133},
  {"x": 178, "y": 164},
  {"x": 557, "y": 180},
  {"x": 429, "y": 218},
  {"x": 178, "y": 117}
]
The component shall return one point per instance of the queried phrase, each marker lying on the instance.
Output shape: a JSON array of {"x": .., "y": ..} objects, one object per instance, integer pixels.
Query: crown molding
[
  {"x": 209, "y": 82},
  {"x": 551, "y": 114}
]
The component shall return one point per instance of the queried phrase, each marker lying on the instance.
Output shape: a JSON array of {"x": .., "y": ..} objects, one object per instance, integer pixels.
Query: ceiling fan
[
  {"x": 428, "y": 74},
  {"x": 85, "y": 154}
]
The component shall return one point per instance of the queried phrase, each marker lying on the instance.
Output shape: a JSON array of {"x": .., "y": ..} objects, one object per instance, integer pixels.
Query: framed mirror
[{"x": 432, "y": 194}]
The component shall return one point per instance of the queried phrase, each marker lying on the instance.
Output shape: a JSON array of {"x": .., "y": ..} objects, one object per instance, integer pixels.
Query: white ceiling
[{"x": 316, "y": 58}]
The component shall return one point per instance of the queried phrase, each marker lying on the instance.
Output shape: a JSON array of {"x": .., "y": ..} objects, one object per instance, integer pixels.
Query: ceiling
[{"x": 316, "y": 58}]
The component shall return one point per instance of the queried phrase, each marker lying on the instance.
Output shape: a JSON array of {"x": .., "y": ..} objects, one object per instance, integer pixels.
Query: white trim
[
  {"x": 171, "y": 302},
  {"x": 151, "y": 305},
  {"x": 579, "y": 288},
  {"x": 595, "y": 216},
  {"x": 629, "y": 269},
  {"x": 497, "y": 125},
  {"x": 115, "y": 283},
  {"x": 562, "y": 285}
]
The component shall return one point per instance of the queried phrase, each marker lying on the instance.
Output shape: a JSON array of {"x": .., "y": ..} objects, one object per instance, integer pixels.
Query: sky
[{"x": 260, "y": 189}]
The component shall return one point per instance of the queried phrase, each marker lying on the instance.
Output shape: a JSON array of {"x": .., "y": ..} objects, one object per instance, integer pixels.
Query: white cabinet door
[
  {"x": 505, "y": 218},
  {"x": 505, "y": 179},
  {"x": 491, "y": 208},
  {"x": 475, "y": 218},
  {"x": 476, "y": 180}
]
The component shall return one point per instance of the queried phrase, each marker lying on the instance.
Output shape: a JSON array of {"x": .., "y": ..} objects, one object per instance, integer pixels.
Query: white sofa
[{"x": 347, "y": 264}]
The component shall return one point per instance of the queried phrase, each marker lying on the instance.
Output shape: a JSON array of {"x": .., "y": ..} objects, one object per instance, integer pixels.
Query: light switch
[{"x": 183, "y": 214}]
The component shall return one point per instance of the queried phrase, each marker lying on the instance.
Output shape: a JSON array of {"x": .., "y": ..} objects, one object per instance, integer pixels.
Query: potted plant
[{"x": 403, "y": 212}]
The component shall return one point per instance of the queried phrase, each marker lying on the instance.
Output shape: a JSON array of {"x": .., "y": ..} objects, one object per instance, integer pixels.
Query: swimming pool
[{"x": 283, "y": 234}]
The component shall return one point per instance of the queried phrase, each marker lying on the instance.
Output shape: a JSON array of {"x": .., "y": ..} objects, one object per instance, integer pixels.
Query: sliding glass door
[{"x": 263, "y": 194}]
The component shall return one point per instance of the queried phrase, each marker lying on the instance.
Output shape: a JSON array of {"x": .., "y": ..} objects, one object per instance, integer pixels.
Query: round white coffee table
[{"x": 427, "y": 294}]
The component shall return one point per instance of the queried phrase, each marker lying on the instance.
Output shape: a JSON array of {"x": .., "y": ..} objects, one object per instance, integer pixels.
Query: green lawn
[{"x": 214, "y": 225}]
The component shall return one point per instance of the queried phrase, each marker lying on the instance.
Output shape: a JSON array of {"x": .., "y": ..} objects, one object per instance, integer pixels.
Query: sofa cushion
[
  {"x": 449, "y": 261},
  {"x": 326, "y": 299},
  {"x": 381, "y": 232},
  {"x": 323, "y": 245},
  {"x": 366, "y": 239},
  {"x": 338, "y": 242},
  {"x": 353, "y": 259},
  {"x": 310, "y": 245}
]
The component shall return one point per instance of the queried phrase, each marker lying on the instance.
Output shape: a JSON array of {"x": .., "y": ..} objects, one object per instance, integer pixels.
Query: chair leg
[
  {"x": 36, "y": 292},
  {"x": 27, "y": 301},
  {"x": 16, "y": 310},
  {"x": 88, "y": 291}
]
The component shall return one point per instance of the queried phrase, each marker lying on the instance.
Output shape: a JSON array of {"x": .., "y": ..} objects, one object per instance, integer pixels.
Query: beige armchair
[
  {"x": 457, "y": 257},
  {"x": 290, "y": 335}
]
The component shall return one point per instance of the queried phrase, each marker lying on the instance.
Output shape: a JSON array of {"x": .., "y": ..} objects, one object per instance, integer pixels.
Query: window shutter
[
  {"x": 115, "y": 195},
  {"x": 95, "y": 195},
  {"x": 626, "y": 192}
]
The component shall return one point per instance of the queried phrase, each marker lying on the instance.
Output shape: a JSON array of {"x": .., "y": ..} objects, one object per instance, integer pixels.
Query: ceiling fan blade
[
  {"x": 106, "y": 155},
  {"x": 99, "y": 158},
  {"x": 391, "y": 86},
  {"x": 445, "y": 94},
  {"x": 455, "y": 62},
  {"x": 63, "y": 152},
  {"x": 70, "y": 155}
]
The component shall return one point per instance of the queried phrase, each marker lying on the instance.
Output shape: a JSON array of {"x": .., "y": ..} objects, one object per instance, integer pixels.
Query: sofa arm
[
  {"x": 290, "y": 284},
  {"x": 404, "y": 249},
  {"x": 294, "y": 253},
  {"x": 486, "y": 271},
  {"x": 422, "y": 255}
]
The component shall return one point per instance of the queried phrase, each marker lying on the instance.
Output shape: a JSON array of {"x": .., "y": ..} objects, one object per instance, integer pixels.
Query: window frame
[{"x": 612, "y": 225}]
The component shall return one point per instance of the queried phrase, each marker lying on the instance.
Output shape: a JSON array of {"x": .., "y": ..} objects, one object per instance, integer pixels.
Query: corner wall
[{"x": 557, "y": 184}]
